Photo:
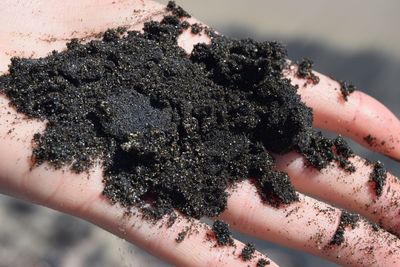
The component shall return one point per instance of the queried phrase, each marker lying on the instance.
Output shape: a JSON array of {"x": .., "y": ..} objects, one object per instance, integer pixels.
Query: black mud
[
  {"x": 346, "y": 220},
  {"x": 172, "y": 130},
  {"x": 378, "y": 177}
]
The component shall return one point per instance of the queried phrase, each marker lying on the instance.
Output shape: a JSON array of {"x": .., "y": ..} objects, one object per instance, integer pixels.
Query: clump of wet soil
[
  {"x": 263, "y": 262},
  {"x": 222, "y": 233},
  {"x": 378, "y": 176},
  {"x": 347, "y": 219},
  {"x": 321, "y": 151},
  {"x": 371, "y": 140},
  {"x": 305, "y": 71},
  {"x": 347, "y": 89},
  {"x": 248, "y": 252},
  {"x": 196, "y": 28},
  {"x": 172, "y": 130},
  {"x": 182, "y": 235},
  {"x": 177, "y": 10}
]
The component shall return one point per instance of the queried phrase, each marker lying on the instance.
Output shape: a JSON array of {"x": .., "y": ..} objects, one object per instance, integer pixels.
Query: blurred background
[{"x": 357, "y": 41}]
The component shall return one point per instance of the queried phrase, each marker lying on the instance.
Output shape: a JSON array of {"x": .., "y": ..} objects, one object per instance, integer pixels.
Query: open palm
[{"x": 36, "y": 28}]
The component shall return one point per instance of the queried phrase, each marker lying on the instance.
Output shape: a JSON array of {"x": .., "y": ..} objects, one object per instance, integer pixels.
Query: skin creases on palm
[{"x": 35, "y": 28}]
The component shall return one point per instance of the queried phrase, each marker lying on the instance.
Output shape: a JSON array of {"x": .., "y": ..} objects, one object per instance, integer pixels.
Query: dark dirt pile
[{"x": 173, "y": 131}]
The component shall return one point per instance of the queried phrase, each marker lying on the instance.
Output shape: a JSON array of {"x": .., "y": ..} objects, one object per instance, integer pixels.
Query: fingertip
[
  {"x": 376, "y": 127},
  {"x": 357, "y": 115}
]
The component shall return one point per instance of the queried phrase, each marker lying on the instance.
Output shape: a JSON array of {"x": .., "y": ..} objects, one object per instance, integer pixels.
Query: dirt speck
[{"x": 370, "y": 140}]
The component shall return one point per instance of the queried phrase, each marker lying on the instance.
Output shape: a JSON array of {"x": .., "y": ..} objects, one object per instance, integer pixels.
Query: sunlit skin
[{"x": 35, "y": 28}]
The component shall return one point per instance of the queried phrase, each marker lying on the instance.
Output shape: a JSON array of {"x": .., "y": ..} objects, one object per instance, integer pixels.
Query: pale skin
[{"x": 35, "y": 28}]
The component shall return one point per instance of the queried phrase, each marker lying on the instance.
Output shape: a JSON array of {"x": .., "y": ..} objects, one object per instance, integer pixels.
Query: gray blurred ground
[{"x": 353, "y": 40}]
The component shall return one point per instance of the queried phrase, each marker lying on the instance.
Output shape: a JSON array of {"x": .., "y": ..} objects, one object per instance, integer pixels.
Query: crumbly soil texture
[
  {"x": 263, "y": 262},
  {"x": 347, "y": 88},
  {"x": 378, "y": 177},
  {"x": 222, "y": 233},
  {"x": 304, "y": 71},
  {"x": 248, "y": 252},
  {"x": 347, "y": 219},
  {"x": 172, "y": 130}
]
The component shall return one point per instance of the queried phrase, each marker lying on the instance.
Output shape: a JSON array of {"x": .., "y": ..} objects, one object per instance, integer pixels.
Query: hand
[{"x": 39, "y": 27}]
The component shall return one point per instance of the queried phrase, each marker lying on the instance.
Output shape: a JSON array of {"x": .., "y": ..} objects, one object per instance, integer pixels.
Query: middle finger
[
  {"x": 314, "y": 227},
  {"x": 353, "y": 191}
]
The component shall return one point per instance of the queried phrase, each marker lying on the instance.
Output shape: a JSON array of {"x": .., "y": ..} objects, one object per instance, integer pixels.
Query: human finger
[
  {"x": 377, "y": 198},
  {"x": 360, "y": 117},
  {"x": 314, "y": 227}
]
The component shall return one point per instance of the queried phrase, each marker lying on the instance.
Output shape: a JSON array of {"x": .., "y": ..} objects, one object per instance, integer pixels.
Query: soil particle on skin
[
  {"x": 177, "y": 10},
  {"x": 378, "y": 177},
  {"x": 320, "y": 151},
  {"x": 370, "y": 140},
  {"x": 343, "y": 153},
  {"x": 248, "y": 252},
  {"x": 346, "y": 89},
  {"x": 346, "y": 220},
  {"x": 185, "y": 25},
  {"x": 172, "y": 130},
  {"x": 375, "y": 227},
  {"x": 196, "y": 28},
  {"x": 304, "y": 71},
  {"x": 276, "y": 189},
  {"x": 263, "y": 262},
  {"x": 172, "y": 219},
  {"x": 182, "y": 235},
  {"x": 222, "y": 233}
]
